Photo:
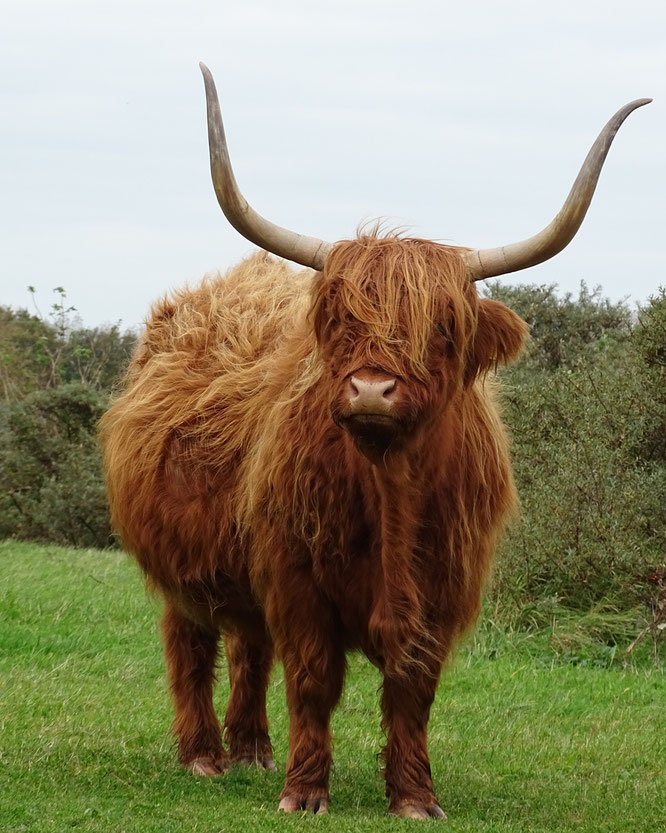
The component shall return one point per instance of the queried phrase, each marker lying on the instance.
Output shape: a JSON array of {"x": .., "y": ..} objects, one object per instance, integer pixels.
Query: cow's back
[{"x": 209, "y": 364}]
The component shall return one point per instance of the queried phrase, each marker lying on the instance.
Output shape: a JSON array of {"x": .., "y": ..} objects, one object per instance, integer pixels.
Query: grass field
[{"x": 519, "y": 740}]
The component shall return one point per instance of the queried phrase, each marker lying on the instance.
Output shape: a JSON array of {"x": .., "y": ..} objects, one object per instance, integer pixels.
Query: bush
[
  {"x": 564, "y": 328},
  {"x": 588, "y": 448},
  {"x": 649, "y": 344},
  {"x": 55, "y": 378},
  {"x": 26, "y": 345},
  {"x": 36, "y": 354},
  {"x": 51, "y": 484}
]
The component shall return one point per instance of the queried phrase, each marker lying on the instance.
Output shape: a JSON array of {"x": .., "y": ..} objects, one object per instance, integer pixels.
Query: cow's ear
[{"x": 500, "y": 335}]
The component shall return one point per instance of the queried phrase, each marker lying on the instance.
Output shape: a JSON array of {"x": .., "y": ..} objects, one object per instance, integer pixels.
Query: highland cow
[{"x": 312, "y": 463}]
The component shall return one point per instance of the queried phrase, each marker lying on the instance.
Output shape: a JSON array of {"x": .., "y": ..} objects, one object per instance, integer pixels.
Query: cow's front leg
[
  {"x": 308, "y": 641},
  {"x": 405, "y": 709}
]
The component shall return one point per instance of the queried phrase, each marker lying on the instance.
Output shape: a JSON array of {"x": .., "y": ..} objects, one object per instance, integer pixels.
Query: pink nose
[{"x": 371, "y": 396}]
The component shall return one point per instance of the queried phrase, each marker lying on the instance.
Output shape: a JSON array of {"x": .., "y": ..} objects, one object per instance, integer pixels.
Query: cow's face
[{"x": 402, "y": 332}]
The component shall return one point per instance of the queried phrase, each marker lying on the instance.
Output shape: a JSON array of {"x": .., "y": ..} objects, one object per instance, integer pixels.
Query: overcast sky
[{"x": 466, "y": 122}]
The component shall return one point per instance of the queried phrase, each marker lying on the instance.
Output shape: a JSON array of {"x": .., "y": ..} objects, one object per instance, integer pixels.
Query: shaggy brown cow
[{"x": 313, "y": 463}]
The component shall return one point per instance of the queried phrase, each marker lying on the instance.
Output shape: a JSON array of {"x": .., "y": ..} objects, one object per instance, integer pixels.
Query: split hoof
[
  {"x": 208, "y": 767},
  {"x": 294, "y": 804},
  {"x": 420, "y": 811},
  {"x": 260, "y": 761}
]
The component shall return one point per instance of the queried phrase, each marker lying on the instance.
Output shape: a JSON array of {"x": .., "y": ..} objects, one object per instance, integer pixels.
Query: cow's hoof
[
  {"x": 294, "y": 804},
  {"x": 260, "y": 761},
  {"x": 420, "y": 811},
  {"x": 250, "y": 752},
  {"x": 208, "y": 766}
]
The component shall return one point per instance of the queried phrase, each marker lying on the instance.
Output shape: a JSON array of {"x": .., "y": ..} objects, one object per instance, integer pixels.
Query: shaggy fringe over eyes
[{"x": 384, "y": 296}]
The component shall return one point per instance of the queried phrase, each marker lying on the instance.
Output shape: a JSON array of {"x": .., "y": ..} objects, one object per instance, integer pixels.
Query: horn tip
[{"x": 204, "y": 69}]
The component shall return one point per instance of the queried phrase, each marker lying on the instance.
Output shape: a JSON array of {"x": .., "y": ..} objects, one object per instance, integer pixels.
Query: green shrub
[
  {"x": 649, "y": 344},
  {"x": 589, "y": 462},
  {"x": 564, "y": 328},
  {"x": 51, "y": 484},
  {"x": 36, "y": 354}
]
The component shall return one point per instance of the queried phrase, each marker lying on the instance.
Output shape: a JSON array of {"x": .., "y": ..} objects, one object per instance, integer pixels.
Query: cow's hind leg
[
  {"x": 245, "y": 723},
  {"x": 191, "y": 653},
  {"x": 406, "y": 706}
]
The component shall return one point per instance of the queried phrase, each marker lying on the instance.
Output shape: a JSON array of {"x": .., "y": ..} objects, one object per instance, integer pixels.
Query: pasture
[{"x": 520, "y": 740}]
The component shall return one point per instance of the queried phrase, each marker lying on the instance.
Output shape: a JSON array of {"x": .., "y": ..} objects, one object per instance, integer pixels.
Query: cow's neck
[
  {"x": 396, "y": 622},
  {"x": 405, "y": 483}
]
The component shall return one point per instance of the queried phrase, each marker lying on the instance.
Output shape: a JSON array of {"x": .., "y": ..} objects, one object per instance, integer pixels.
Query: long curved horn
[
  {"x": 309, "y": 251},
  {"x": 488, "y": 263}
]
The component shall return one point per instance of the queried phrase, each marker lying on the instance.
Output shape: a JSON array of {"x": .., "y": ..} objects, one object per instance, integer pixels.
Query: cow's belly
[{"x": 225, "y": 604}]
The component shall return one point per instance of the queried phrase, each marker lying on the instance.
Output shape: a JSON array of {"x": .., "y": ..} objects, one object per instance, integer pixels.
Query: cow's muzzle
[
  {"x": 371, "y": 400},
  {"x": 371, "y": 394}
]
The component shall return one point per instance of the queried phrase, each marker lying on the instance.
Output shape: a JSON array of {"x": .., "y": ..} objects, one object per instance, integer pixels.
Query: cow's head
[
  {"x": 402, "y": 331},
  {"x": 399, "y": 322}
]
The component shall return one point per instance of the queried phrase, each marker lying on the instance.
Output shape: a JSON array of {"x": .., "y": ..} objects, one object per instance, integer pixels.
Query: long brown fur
[{"x": 256, "y": 516}]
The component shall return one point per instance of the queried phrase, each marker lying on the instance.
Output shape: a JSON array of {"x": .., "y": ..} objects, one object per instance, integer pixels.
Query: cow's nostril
[{"x": 371, "y": 396}]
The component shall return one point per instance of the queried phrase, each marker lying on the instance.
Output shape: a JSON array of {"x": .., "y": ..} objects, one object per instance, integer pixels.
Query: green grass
[{"x": 520, "y": 741}]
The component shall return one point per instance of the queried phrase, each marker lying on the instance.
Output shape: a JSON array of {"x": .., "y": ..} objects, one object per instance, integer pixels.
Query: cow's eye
[{"x": 446, "y": 330}]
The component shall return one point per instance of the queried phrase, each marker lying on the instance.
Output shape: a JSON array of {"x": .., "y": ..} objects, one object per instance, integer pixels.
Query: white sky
[{"x": 465, "y": 121}]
